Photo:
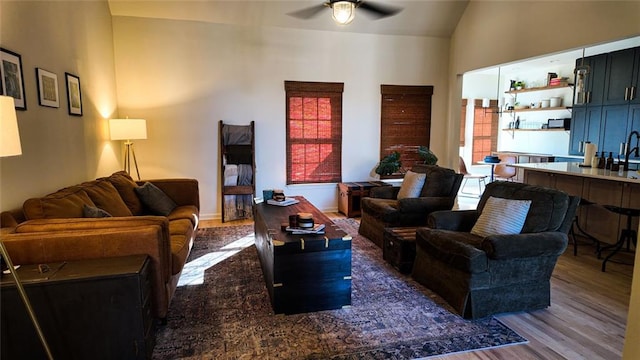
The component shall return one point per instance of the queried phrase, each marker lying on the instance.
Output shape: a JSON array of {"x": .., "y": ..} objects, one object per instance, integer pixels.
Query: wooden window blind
[
  {"x": 485, "y": 131},
  {"x": 314, "y": 132},
  {"x": 405, "y": 122}
]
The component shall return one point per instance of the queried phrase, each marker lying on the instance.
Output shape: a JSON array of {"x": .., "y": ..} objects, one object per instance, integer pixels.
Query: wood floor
[{"x": 586, "y": 319}]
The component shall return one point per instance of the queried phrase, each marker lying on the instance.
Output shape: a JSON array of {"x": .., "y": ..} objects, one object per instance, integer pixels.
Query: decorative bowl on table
[{"x": 491, "y": 159}]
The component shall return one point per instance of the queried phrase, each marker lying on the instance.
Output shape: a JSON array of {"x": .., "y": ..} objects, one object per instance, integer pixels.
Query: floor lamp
[
  {"x": 10, "y": 146},
  {"x": 128, "y": 129}
]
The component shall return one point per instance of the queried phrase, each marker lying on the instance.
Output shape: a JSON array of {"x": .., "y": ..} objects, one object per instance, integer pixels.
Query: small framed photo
[
  {"x": 48, "y": 88},
  {"x": 12, "y": 78},
  {"x": 74, "y": 97}
]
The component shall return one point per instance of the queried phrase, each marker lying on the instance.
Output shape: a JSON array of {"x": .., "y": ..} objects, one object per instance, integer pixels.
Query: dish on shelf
[{"x": 521, "y": 107}]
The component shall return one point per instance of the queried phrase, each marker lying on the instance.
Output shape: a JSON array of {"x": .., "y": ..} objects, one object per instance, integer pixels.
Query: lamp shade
[
  {"x": 128, "y": 129},
  {"x": 343, "y": 12},
  {"x": 9, "y": 134}
]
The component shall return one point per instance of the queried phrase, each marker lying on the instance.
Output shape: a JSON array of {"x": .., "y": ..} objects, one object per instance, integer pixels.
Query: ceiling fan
[{"x": 343, "y": 11}]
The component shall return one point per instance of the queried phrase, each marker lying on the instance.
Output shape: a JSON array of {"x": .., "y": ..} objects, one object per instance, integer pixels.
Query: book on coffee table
[
  {"x": 285, "y": 202},
  {"x": 316, "y": 229}
]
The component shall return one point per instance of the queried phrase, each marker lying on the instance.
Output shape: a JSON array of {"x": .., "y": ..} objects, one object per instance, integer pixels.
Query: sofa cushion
[
  {"x": 125, "y": 186},
  {"x": 458, "y": 249},
  {"x": 94, "y": 212},
  {"x": 189, "y": 212},
  {"x": 411, "y": 185},
  {"x": 106, "y": 197},
  {"x": 181, "y": 232},
  {"x": 155, "y": 199},
  {"x": 65, "y": 203},
  {"x": 501, "y": 217},
  {"x": 440, "y": 180}
]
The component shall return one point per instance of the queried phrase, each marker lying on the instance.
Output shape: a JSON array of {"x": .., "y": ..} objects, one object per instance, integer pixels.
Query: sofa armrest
[
  {"x": 182, "y": 191},
  {"x": 549, "y": 243},
  {"x": 45, "y": 245},
  {"x": 424, "y": 205},
  {"x": 384, "y": 192},
  {"x": 455, "y": 220}
]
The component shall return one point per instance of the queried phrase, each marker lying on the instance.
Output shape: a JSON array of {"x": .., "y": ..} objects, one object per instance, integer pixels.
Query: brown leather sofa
[{"x": 55, "y": 227}]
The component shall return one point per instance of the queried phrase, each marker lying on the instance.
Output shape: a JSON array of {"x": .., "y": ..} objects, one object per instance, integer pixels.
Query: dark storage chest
[
  {"x": 399, "y": 248},
  {"x": 350, "y": 194}
]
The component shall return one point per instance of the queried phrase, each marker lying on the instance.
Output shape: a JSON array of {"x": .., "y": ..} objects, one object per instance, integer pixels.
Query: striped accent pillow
[{"x": 501, "y": 217}]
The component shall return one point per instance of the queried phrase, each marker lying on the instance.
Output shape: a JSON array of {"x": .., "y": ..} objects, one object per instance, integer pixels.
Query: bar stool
[
  {"x": 629, "y": 234},
  {"x": 576, "y": 223}
]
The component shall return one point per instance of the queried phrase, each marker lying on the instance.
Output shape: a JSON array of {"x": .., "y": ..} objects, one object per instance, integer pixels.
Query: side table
[
  {"x": 87, "y": 309},
  {"x": 350, "y": 194},
  {"x": 399, "y": 248}
]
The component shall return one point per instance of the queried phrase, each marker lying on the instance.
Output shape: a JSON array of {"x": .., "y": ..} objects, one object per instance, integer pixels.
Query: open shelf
[
  {"x": 538, "y": 109},
  {"x": 559, "y": 129},
  {"x": 538, "y": 88}
]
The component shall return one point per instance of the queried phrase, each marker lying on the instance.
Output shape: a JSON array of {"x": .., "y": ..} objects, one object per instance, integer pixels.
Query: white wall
[
  {"x": 184, "y": 77},
  {"x": 58, "y": 149}
]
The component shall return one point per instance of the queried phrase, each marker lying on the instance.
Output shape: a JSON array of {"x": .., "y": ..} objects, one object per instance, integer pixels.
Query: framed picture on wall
[
  {"x": 47, "y": 88},
  {"x": 74, "y": 97},
  {"x": 12, "y": 79}
]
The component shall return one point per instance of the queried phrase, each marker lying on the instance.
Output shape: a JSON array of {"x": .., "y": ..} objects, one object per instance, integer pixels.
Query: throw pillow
[
  {"x": 94, "y": 212},
  {"x": 411, "y": 185},
  {"x": 125, "y": 185},
  {"x": 105, "y": 196},
  {"x": 155, "y": 199},
  {"x": 501, "y": 217}
]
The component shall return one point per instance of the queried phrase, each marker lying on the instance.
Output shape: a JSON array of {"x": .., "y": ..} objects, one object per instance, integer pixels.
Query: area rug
[{"x": 222, "y": 311}]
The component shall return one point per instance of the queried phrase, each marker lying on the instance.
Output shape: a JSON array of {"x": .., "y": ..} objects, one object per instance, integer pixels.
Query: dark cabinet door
[
  {"x": 614, "y": 128},
  {"x": 634, "y": 121},
  {"x": 585, "y": 126},
  {"x": 621, "y": 69},
  {"x": 591, "y": 91}
]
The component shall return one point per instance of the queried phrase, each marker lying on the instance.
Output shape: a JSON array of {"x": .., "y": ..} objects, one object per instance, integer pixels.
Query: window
[
  {"x": 314, "y": 132},
  {"x": 405, "y": 122},
  {"x": 485, "y": 131}
]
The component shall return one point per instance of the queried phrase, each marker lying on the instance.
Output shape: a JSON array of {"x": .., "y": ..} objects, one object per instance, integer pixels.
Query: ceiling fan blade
[
  {"x": 309, "y": 12},
  {"x": 378, "y": 11}
]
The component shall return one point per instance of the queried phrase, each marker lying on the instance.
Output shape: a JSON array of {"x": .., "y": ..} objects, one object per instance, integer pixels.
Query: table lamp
[
  {"x": 128, "y": 129},
  {"x": 10, "y": 146}
]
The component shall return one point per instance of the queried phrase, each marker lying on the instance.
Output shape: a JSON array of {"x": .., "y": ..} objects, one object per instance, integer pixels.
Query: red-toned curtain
[{"x": 314, "y": 132}]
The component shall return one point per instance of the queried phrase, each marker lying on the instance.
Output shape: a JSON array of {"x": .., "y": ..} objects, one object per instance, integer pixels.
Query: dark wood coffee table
[{"x": 303, "y": 273}]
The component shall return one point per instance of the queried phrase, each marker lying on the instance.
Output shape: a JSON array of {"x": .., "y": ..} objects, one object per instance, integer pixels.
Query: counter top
[{"x": 572, "y": 168}]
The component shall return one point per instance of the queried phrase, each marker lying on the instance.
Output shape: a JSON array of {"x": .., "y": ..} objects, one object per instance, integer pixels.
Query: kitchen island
[{"x": 600, "y": 186}]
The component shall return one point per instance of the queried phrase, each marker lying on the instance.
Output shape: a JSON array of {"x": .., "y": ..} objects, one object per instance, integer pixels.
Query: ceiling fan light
[{"x": 343, "y": 12}]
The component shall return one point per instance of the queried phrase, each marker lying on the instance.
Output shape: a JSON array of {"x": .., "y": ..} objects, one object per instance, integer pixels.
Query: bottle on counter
[
  {"x": 602, "y": 160},
  {"x": 609, "y": 162}
]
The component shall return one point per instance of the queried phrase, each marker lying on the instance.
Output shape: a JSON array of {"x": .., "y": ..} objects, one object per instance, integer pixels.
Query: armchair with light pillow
[
  {"x": 425, "y": 188},
  {"x": 499, "y": 257}
]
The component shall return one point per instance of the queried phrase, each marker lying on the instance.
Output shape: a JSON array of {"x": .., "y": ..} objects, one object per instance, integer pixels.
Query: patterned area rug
[{"x": 221, "y": 310}]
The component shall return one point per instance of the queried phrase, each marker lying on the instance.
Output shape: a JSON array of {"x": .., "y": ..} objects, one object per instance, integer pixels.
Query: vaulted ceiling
[{"x": 437, "y": 18}]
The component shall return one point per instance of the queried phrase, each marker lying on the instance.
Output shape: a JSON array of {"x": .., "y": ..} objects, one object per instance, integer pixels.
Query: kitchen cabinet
[
  {"x": 592, "y": 91},
  {"x": 608, "y": 110},
  {"x": 621, "y": 84},
  {"x": 600, "y": 222},
  {"x": 615, "y": 128},
  {"x": 595, "y": 219},
  {"x": 585, "y": 127}
]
